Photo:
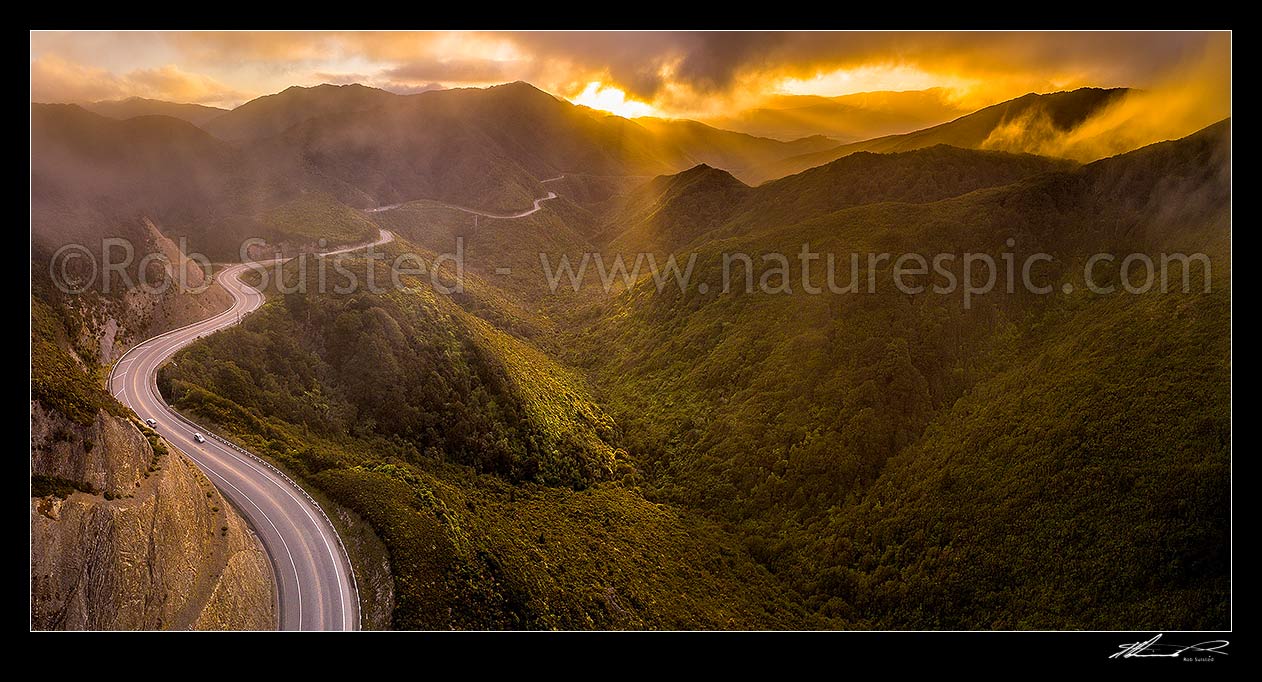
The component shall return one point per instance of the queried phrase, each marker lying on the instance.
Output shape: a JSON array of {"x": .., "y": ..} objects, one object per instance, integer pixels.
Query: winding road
[
  {"x": 538, "y": 204},
  {"x": 315, "y": 583}
]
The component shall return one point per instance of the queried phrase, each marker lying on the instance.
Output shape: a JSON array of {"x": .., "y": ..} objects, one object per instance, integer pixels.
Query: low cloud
[
  {"x": 1192, "y": 95},
  {"x": 169, "y": 82},
  {"x": 54, "y": 79},
  {"x": 409, "y": 89},
  {"x": 656, "y": 67},
  {"x": 341, "y": 78},
  {"x": 455, "y": 70}
]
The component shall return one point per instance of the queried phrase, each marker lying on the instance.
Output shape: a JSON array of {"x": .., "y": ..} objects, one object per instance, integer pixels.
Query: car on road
[
  {"x": 199, "y": 438},
  {"x": 151, "y": 423}
]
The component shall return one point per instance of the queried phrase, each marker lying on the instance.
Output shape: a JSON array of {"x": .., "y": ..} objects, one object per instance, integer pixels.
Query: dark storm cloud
[
  {"x": 681, "y": 71},
  {"x": 710, "y": 61}
]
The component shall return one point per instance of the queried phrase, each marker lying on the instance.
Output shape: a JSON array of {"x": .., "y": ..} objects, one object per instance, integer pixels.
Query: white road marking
[
  {"x": 297, "y": 578},
  {"x": 341, "y": 598}
]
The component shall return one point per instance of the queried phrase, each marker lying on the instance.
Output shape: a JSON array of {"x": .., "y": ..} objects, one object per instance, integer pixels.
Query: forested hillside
[
  {"x": 856, "y": 460},
  {"x": 904, "y": 461},
  {"x": 497, "y": 484}
]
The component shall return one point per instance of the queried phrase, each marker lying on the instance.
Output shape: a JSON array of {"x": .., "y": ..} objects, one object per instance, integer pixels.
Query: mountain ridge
[{"x": 1065, "y": 109}]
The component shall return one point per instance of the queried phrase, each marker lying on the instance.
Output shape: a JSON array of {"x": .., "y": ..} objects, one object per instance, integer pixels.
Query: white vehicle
[
  {"x": 151, "y": 423},
  {"x": 199, "y": 438}
]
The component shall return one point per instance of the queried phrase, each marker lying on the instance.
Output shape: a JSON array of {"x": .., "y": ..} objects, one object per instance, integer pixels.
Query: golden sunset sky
[{"x": 682, "y": 74}]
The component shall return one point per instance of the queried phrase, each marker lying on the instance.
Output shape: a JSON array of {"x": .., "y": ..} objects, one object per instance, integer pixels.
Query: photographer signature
[{"x": 1153, "y": 649}]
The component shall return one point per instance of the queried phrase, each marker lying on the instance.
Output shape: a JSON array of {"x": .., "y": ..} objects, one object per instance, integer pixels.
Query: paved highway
[{"x": 314, "y": 580}]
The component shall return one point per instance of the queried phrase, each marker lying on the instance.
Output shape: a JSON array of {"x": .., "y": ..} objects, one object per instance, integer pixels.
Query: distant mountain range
[{"x": 213, "y": 175}]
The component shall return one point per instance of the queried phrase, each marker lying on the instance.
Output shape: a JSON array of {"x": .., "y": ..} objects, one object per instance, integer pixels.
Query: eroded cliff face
[
  {"x": 144, "y": 542},
  {"x": 110, "y": 455}
]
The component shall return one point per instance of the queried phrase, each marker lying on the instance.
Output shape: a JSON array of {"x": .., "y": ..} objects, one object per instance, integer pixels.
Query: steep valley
[{"x": 808, "y": 445}]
